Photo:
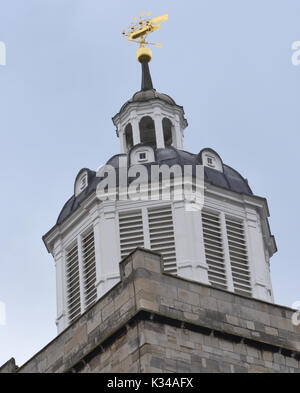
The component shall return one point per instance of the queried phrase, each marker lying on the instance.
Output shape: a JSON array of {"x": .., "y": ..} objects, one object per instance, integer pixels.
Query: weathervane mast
[{"x": 138, "y": 31}]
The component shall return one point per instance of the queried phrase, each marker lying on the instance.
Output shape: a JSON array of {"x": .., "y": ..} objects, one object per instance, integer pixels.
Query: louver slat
[
  {"x": 161, "y": 231},
  {"x": 73, "y": 284},
  {"x": 89, "y": 269},
  {"x": 212, "y": 235},
  {"x": 131, "y": 231},
  {"x": 238, "y": 257}
]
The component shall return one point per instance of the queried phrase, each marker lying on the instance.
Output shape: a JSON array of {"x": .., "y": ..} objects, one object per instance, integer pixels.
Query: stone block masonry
[{"x": 157, "y": 322}]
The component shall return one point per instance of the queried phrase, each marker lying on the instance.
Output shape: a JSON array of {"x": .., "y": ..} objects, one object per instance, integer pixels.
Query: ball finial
[{"x": 144, "y": 54}]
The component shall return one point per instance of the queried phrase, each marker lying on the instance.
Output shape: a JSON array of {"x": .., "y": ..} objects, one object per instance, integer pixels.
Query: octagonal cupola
[{"x": 150, "y": 117}]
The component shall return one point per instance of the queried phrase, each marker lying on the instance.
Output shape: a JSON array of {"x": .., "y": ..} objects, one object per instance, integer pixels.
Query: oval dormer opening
[
  {"x": 81, "y": 183},
  {"x": 211, "y": 159}
]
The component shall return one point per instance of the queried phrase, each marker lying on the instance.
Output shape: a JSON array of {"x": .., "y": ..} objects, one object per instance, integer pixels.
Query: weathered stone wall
[
  {"x": 173, "y": 349},
  {"x": 156, "y": 322},
  {"x": 9, "y": 367}
]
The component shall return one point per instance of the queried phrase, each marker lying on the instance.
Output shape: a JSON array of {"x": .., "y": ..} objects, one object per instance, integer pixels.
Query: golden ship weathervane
[{"x": 138, "y": 31}]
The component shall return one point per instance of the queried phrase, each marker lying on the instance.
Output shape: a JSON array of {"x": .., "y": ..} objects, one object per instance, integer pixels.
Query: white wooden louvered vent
[
  {"x": 73, "y": 283},
  {"x": 161, "y": 232},
  {"x": 89, "y": 269},
  {"x": 131, "y": 231},
  {"x": 238, "y": 257},
  {"x": 212, "y": 234}
]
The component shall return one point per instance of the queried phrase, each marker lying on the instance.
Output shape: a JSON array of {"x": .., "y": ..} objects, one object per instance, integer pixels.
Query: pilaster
[
  {"x": 108, "y": 244},
  {"x": 58, "y": 255}
]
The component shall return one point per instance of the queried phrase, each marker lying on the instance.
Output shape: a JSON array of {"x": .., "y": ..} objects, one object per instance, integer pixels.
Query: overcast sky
[{"x": 228, "y": 62}]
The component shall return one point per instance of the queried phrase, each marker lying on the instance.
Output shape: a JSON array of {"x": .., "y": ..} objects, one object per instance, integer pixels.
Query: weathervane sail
[{"x": 139, "y": 30}]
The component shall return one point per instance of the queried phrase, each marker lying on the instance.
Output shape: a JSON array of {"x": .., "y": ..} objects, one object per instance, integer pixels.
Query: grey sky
[{"x": 69, "y": 71}]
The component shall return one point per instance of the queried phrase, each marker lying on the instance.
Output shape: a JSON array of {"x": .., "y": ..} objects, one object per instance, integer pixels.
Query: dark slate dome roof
[
  {"x": 147, "y": 95},
  {"x": 230, "y": 179}
]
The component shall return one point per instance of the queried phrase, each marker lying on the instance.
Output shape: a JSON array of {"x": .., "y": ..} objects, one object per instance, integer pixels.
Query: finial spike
[{"x": 146, "y": 77}]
